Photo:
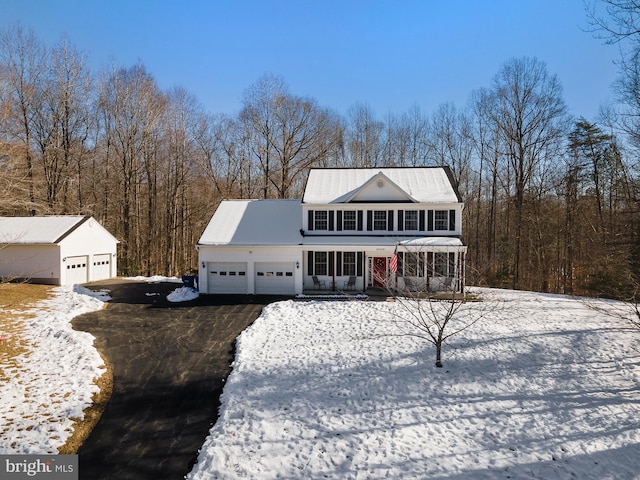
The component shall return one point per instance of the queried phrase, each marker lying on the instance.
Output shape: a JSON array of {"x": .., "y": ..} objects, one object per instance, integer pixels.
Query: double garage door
[
  {"x": 78, "y": 268},
  {"x": 271, "y": 278}
]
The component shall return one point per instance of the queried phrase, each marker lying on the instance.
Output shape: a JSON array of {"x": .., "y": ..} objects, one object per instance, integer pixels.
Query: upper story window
[
  {"x": 411, "y": 220},
  {"x": 441, "y": 220},
  {"x": 320, "y": 220},
  {"x": 380, "y": 220},
  {"x": 349, "y": 220}
]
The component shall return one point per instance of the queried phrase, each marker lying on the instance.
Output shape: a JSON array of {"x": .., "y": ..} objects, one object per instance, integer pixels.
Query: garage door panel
[
  {"x": 227, "y": 277},
  {"x": 101, "y": 266},
  {"x": 276, "y": 278},
  {"x": 77, "y": 269}
]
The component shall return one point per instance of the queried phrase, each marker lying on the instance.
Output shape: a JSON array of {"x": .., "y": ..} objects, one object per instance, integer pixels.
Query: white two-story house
[{"x": 355, "y": 229}]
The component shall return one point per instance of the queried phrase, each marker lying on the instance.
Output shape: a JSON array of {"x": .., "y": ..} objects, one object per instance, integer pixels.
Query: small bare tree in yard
[
  {"x": 435, "y": 319},
  {"x": 435, "y": 316}
]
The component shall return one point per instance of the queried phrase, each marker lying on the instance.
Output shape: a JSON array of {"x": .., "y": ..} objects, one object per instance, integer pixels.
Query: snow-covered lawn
[
  {"x": 542, "y": 387},
  {"x": 49, "y": 385}
]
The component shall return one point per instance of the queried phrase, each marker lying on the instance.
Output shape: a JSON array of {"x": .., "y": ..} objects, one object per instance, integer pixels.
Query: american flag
[{"x": 393, "y": 265}]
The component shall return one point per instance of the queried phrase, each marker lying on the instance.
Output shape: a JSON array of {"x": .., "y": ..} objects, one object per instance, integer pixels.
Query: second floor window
[
  {"x": 411, "y": 220},
  {"x": 320, "y": 220},
  {"x": 380, "y": 220},
  {"x": 441, "y": 218},
  {"x": 349, "y": 220}
]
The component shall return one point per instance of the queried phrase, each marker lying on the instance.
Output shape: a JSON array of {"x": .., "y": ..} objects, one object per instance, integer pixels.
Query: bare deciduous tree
[
  {"x": 23, "y": 59},
  {"x": 529, "y": 112},
  {"x": 436, "y": 318}
]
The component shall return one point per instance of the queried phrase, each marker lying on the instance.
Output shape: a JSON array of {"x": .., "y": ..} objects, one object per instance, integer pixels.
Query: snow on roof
[
  {"x": 422, "y": 184},
  {"x": 254, "y": 222},
  {"x": 38, "y": 230}
]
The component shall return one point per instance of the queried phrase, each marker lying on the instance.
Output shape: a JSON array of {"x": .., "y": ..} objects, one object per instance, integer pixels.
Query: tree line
[{"x": 551, "y": 200}]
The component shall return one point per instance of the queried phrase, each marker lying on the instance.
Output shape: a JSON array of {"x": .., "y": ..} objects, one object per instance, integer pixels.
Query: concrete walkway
[{"x": 169, "y": 365}]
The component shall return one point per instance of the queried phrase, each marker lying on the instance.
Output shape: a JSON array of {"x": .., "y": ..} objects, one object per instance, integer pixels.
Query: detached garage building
[{"x": 56, "y": 250}]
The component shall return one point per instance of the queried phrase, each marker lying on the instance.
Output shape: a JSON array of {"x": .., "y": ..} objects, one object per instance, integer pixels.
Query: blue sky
[{"x": 388, "y": 54}]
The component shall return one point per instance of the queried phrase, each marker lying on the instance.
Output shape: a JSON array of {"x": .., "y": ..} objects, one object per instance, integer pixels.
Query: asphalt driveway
[{"x": 169, "y": 365}]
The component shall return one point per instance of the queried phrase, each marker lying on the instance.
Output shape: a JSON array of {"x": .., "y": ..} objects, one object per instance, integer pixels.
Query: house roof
[
  {"x": 418, "y": 184},
  {"x": 254, "y": 222},
  {"x": 277, "y": 222},
  {"x": 38, "y": 230}
]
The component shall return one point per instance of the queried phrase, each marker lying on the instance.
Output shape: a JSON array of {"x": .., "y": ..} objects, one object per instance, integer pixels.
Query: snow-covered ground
[
  {"x": 52, "y": 383},
  {"x": 542, "y": 387}
]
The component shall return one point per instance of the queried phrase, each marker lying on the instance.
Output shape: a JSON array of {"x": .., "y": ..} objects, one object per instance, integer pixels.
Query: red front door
[{"x": 379, "y": 271}]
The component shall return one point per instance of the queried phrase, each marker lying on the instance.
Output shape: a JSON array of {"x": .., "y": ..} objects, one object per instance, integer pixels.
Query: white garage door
[
  {"x": 77, "y": 269},
  {"x": 101, "y": 266},
  {"x": 275, "y": 278},
  {"x": 230, "y": 277}
]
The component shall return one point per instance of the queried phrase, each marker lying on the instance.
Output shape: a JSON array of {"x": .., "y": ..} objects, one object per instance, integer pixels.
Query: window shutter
[
  {"x": 400, "y": 263},
  {"x": 338, "y": 264},
  {"x": 359, "y": 260},
  {"x": 369, "y": 220},
  {"x": 452, "y": 219},
  {"x": 360, "y": 215},
  {"x": 331, "y": 223},
  {"x": 339, "y": 222},
  {"x": 390, "y": 220},
  {"x": 310, "y": 263},
  {"x": 400, "y": 220},
  {"x": 430, "y": 220},
  {"x": 310, "y": 220},
  {"x": 421, "y": 220},
  {"x": 330, "y": 261}
]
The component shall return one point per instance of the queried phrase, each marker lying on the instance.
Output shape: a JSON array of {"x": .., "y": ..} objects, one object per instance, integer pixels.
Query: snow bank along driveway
[
  {"x": 544, "y": 387},
  {"x": 52, "y": 383}
]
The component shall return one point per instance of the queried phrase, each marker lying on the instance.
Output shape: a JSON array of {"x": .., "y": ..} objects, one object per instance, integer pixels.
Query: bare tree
[
  {"x": 131, "y": 105},
  {"x": 529, "y": 111},
  {"x": 364, "y": 137},
  {"x": 62, "y": 126},
  {"x": 435, "y": 317},
  {"x": 288, "y": 134},
  {"x": 22, "y": 58}
]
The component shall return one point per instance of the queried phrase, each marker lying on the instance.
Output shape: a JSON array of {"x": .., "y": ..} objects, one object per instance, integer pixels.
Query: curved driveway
[{"x": 169, "y": 365}]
